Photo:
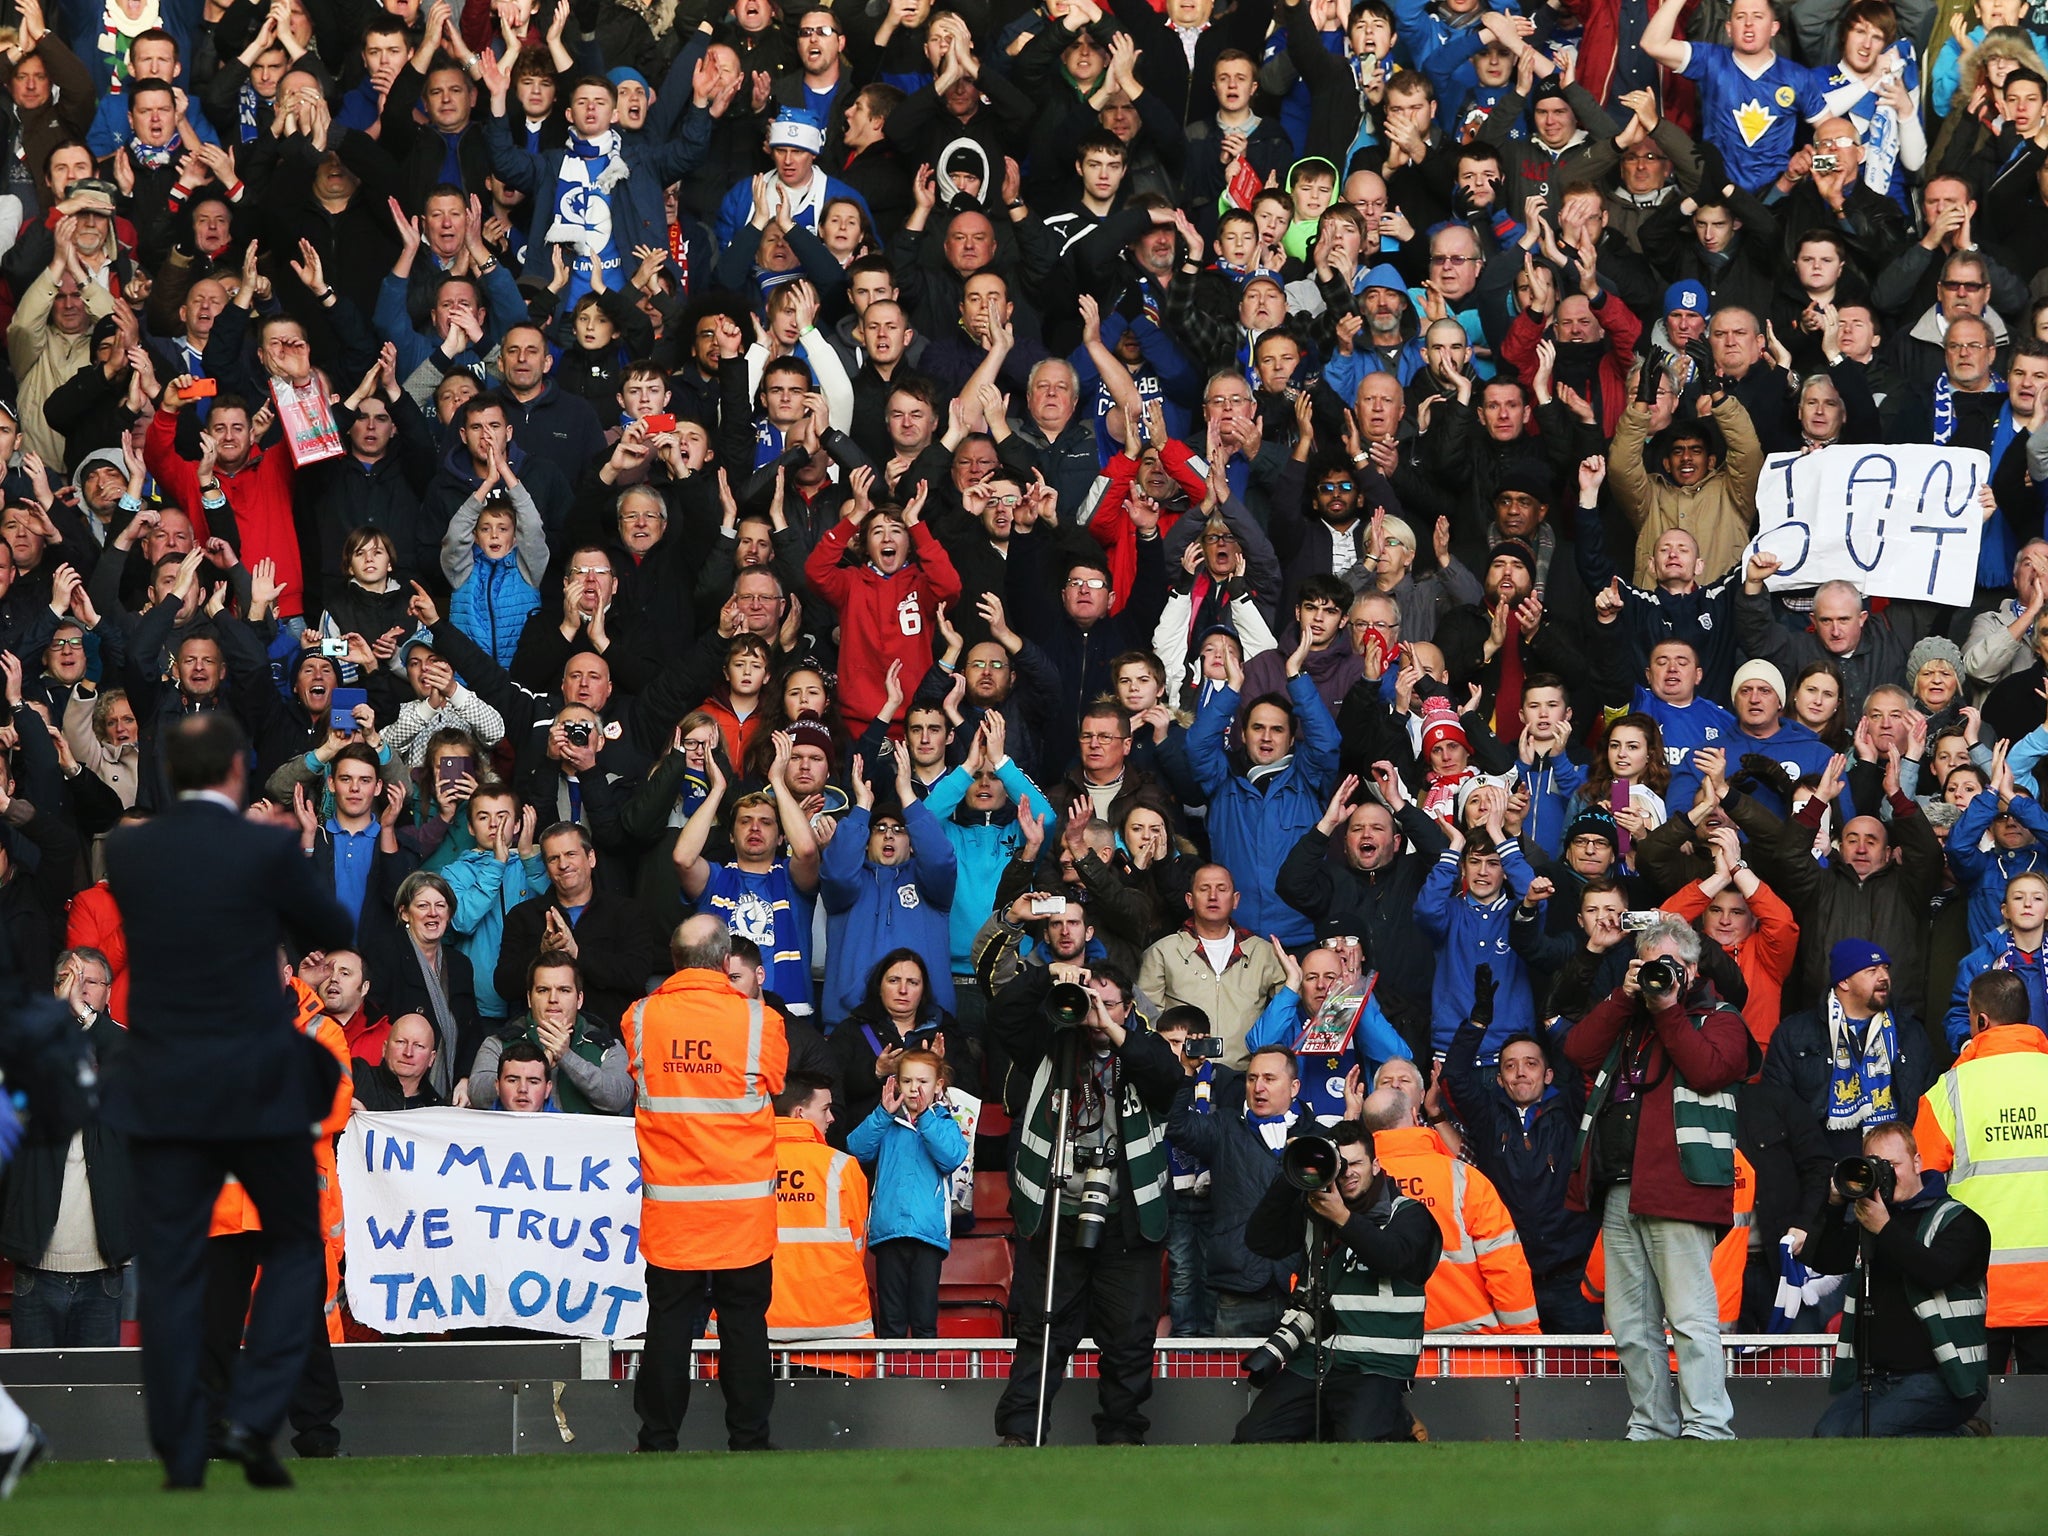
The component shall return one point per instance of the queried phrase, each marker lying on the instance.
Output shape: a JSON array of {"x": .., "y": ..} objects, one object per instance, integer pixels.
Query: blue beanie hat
[
  {"x": 1851, "y": 956},
  {"x": 1689, "y": 295},
  {"x": 622, "y": 74}
]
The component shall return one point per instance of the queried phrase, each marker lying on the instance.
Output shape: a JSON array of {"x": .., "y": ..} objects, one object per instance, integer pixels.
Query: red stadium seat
[
  {"x": 974, "y": 1288},
  {"x": 992, "y": 1202}
]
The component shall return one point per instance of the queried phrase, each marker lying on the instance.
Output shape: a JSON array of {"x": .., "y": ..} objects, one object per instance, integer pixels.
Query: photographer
[
  {"x": 1108, "y": 1269},
  {"x": 1657, "y": 1161},
  {"x": 1376, "y": 1249},
  {"x": 1926, "y": 1255}
]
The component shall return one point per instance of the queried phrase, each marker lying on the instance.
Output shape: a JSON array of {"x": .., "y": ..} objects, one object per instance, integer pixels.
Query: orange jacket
[
  {"x": 1994, "y": 1100},
  {"x": 706, "y": 1063},
  {"x": 1764, "y": 958},
  {"x": 821, "y": 1219},
  {"x": 94, "y": 922},
  {"x": 1482, "y": 1285},
  {"x": 234, "y": 1212},
  {"x": 1731, "y": 1254}
]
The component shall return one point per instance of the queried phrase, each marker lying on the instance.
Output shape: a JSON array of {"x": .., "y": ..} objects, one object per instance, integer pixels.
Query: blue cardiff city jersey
[{"x": 1752, "y": 119}]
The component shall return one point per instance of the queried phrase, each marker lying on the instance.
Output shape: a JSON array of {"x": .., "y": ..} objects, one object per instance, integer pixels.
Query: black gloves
[{"x": 1483, "y": 988}]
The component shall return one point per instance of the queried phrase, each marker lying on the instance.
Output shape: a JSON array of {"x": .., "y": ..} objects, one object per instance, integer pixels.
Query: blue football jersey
[{"x": 1753, "y": 119}]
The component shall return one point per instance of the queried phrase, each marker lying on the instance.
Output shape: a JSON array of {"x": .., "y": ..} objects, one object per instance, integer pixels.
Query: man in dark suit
[{"x": 216, "y": 1081}]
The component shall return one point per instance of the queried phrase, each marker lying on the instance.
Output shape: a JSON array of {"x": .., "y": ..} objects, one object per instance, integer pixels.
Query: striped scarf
[
  {"x": 1953, "y": 1316},
  {"x": 1143, "y": 1139},
  {"x": 1860, "y": 1089}
]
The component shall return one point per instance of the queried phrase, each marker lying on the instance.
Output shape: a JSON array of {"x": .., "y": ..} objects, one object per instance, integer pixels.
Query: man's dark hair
[
  {"x": 525, "y": 1050},
  {"x": 1687, "y": 640},
  {"x": 1116, "y": 976},
  {"x": 1099, "y": 139},
  {"x": 159, "y": 35},
  {"x": 744, "y": 948},
  {"x": 916, "y": 387},
  {"x": 882, "y": 98},
  {"x": 1293, "y": 1066},
  {"x": 1526, "y": 1037},
  {"x": 381, "y": 24},
  {"x": 2029, "y": 346},
  {"x": 1325, "y": 588},
  {"x": 482, "y": 400},
  {"x": 1279, "y": 701},
  {"x": 1544, "y": 680},
  {"x": 1478, "y": 150},
  {"x": 573, "y": 829},
  {"x": 1184, "y": 1016},
  {"x": 2024, "y": 74},
  {"x": 200, "y": 750},
  {"x": 357, "y": 752},
  {"x": 1352, "y": 1133},
  {"x": 553, "y": 960},
  {"x": 2001, "y": 996},
  {"x": 870, "y": 266},
  {"x": 137, "y": 89},
  {"x": 797, "y": 1090}
]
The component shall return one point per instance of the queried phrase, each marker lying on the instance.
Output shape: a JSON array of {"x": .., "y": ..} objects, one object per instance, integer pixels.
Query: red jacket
[
  {"x": 1110, "y": 523},
  {"x": 1602, "y": 20},
  {"x": 881, "y": 618},
  {"x": 259, "y": 495},
  {"x": 1623, "y": 329},
  {"x": 1710, "y": 1044},
  {"x": 94, "y": 922}
]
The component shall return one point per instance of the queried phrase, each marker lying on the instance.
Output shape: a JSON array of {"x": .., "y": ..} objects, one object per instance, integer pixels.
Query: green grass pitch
[{"x": 1799, "y": 1488}]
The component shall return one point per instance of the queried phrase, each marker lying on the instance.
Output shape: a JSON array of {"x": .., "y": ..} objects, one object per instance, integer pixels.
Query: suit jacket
[
  {"x": 619, "y": 947},
  {"x": 208, "y": 899}
]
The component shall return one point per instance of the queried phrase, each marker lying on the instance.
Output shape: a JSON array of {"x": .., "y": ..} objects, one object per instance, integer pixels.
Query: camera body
[
  {"x": 333, "y": 648},
  {"x": 1865, "y": 1178},
  {"x": 576, "y": 732},
  {"x": 1826, "y": 164},
  {"x": 1640, "y": 922}
]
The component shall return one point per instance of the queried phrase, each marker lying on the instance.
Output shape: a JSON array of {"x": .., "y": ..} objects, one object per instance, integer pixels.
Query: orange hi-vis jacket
[
  {"x": 821, "y": 1218},
  {"x": 706, "y": 1064},
  {"x": 1985, "y": 1125},
  {"x": 1731, "y": 1254},
  {"x": 1482, "y": 1284},
  {"x": 234, "y": 1212}
]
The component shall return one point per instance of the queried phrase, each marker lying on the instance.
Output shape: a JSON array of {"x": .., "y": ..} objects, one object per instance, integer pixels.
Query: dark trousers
[
  {"x": 231, "y": 1263},
  {"x": 907, "y": 1289},
  {"x": 1561, "y": 1307},
  {"x": 1110, "y": 1292},
  {"x": 1915, "y": 1405},
  {"x": 2026, "y": 1349},
  {"x": 678, "y": 1302},
  {"x": 1355, "y": 1407},
  {"x": 184, "y": 1178},
  {"x": 67, "y": 1309}
]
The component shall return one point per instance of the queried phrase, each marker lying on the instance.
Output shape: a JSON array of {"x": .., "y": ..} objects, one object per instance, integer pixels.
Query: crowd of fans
[{"x": 1249, "y": 502}]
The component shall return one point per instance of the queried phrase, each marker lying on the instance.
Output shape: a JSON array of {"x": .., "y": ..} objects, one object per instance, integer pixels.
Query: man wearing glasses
[
  {"x": 1912, "y": 282},
  {"x": 1962, "y": 292},
  {"x": 821, "y": 87},
  {"x": 1327, "y": 537},
  {"x": 1455, "y": 265},
  {"x": 1085, "y": 639},
  {"x": 1872, "y": 225},
  {"x": 1970, "y": 408}
]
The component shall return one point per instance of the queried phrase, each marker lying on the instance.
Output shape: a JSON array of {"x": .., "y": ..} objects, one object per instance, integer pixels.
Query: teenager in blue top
[
  {"x": 503, "y": 869},
  {"x": 1543, "y": 762},
  {"x": 910, "y": 1144},
  {"x": 2014, "y": 945},
  {"x": 759, "y": 894},
  {"x": 1310, "y": 981},
  {"x": 795, "y": 139},
  {"x": 1751, "y": 99},
  {"x": 888, "y": 879},
  {"x": 1256, "y": 816},
  {"x": 1481, "y": 903}
]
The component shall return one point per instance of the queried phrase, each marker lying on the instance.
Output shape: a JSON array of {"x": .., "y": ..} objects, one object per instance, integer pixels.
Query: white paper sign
[
  {"x": 1896, "y": 519},
  {"x": 463, "y": 1218}
]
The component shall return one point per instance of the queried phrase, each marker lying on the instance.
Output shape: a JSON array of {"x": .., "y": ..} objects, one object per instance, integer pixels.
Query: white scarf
[{"x": 583, "y": 210}]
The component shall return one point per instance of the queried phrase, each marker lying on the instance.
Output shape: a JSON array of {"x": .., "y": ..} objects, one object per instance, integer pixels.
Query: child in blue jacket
[
  {"x": 910, "y": 1144},
  {"x": 1467, "y": 908}
]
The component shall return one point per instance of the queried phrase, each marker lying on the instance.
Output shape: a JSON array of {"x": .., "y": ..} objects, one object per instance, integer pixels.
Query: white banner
[
  {"x": 1897, "y": 519},
  {"x": 463, "y": 1218}
]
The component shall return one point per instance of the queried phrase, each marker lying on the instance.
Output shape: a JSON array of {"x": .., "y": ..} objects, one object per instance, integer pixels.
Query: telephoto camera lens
[
  {"x": 1281, "y": 1346},
  {"x": 1092, "y": 1214},
  {"x": 1659, "y": 975},
  {"x": 1864, "y": 1178},
  {"x": 1067, "y": 1005},
  {"x": 1310, "y": 1163}
]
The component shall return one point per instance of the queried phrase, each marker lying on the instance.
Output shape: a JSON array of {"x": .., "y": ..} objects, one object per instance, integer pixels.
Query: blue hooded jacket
[
  {"x": 871, "y": 909},
  {"x": 909, "y": 1174}
]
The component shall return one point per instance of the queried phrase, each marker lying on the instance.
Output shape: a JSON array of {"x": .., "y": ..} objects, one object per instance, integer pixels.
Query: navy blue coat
[{"x": 638, "y": 214}]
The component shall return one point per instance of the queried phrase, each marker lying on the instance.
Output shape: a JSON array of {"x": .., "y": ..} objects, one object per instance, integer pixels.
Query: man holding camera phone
[
  {"x": 1921, "y": 1257},
  {"x": 1656, "y": 1160}
]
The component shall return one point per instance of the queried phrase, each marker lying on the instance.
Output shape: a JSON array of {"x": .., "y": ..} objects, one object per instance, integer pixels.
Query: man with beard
[
  {"x": 1510, "y": 634},
  {"x": 1330, "y": 537},
  {"x": 1593, "y": 332},
  {"x": 1709, "y": 493},
  {"x": 1859, "y": 1058},
  {"x": 1483, "y": 442}
]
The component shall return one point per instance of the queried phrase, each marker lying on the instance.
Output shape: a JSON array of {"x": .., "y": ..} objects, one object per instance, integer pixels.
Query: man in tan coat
[
  {"x": 50, "y": 337},
  {"x": 1214, "y": 965}
]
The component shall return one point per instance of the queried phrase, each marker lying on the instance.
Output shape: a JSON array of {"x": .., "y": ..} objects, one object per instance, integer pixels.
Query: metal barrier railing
[{"x": 1444, "y": 1355}]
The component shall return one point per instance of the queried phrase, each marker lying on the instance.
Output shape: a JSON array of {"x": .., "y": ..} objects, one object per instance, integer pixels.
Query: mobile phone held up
[{"x": 341, "y": 707}]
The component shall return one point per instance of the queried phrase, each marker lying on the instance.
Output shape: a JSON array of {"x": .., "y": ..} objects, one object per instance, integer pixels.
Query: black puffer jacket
[{"x": 1241, "y": 1168}]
